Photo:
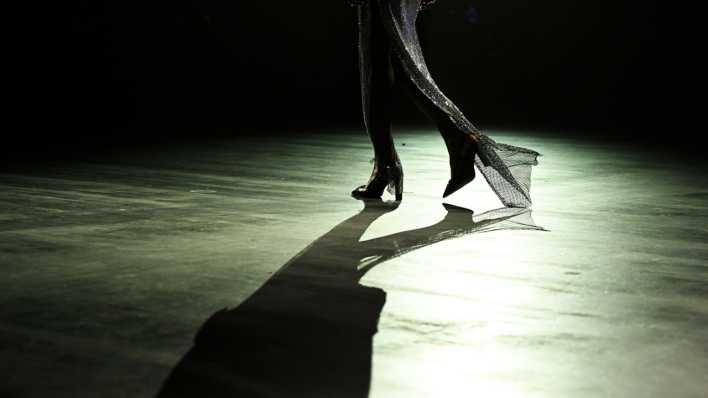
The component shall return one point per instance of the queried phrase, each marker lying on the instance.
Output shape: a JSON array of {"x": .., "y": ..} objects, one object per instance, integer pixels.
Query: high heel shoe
[
  {"x": 462, "y": 165},
  {"x": 390, "y": 178}
]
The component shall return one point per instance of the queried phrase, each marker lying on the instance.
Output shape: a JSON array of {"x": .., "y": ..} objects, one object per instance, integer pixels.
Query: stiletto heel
[
  {"x": 395, "y": 182},
  {"x": 390, "y": 179}
]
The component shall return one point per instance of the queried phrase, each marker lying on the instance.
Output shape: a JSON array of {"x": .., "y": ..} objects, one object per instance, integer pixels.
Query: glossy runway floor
[{"x": 243, "y": 268}]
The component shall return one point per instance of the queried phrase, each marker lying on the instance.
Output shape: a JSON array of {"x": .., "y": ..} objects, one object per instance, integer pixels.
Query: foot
[
  {"x": 463, "y": 151},
  {"x": 382, "y": 177}
]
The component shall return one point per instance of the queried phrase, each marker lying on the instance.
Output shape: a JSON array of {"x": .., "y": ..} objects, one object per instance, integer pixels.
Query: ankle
[{"x": 389, "y": 161}]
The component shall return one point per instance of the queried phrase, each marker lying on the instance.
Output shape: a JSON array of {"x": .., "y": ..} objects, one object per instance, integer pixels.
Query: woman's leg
[
  {"x": 449, "y": 132},
  {"x": 376, "y": 81},
  {"x": 376, "y": 85},
  {"x": 461, "y": 150}
]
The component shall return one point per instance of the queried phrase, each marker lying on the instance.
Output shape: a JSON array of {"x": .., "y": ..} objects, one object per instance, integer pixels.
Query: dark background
[{"x": 111, "y": 71}]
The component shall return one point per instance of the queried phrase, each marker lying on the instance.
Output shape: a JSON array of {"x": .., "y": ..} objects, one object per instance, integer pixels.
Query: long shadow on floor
[{"x": 308, "y": 331}]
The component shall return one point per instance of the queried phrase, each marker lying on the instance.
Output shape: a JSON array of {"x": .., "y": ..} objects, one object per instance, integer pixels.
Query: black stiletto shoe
[
  {"x": 390, "y": 178},
  {"x": 462, "y": 165}
]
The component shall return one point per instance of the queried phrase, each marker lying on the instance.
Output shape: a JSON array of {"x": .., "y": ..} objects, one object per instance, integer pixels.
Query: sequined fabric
[
  {"x": 506, "y": 168},
  {"x": 424, "y": 4}
]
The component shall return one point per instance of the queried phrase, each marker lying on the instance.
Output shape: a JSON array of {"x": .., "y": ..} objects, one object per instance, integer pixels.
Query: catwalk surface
[{"x": 111, "y": 267}]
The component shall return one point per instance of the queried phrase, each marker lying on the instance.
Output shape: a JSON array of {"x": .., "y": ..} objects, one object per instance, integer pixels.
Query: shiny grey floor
[{"x": 110, "y": 268}]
